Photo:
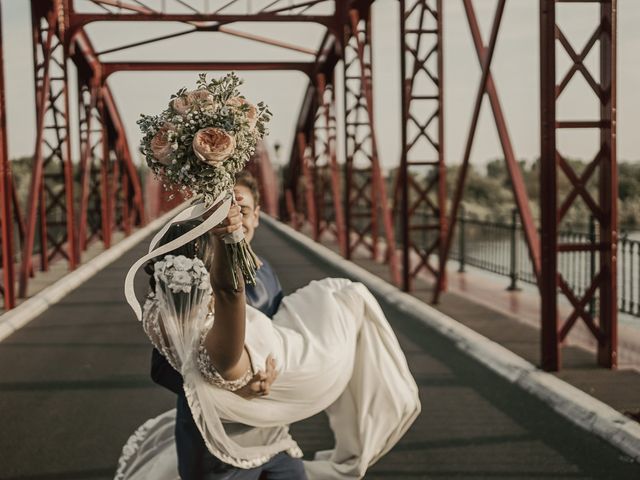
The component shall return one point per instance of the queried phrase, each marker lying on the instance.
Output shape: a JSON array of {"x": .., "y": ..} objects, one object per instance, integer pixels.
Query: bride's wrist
[
  {"x": 227, "y": 289},
  {"x": 225, "y": 285}
]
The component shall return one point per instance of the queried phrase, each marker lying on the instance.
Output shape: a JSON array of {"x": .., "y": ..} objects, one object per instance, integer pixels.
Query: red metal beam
[
  {"x": 513, "y": 168},
  {"x": 6, "y": 187},
  {"x": 266, "y": 40},
  {"x": 87, "y": 103},
  {"x": 105, "y": 177},
  {"x": 292, "y": 6},
  {"x": 608, "y": 187},
  {"x": 309, "y": 191},
  {"x": 269, "y": 186},
  {"x": 291, "y": 209},
  {"x": 109, "y": 68},
  {"x": 550, "y": 348},
  {"x": 123, "y": 5},
  {"x": 79, "y": 20},
  {"x": 142, "y": 9},
  {"x": 462, "y": 175},
  {"x": 146, "y": 41}
]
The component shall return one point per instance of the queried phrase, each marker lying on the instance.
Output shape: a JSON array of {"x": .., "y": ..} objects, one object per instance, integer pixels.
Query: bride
[{"x": 333, "y": 348}]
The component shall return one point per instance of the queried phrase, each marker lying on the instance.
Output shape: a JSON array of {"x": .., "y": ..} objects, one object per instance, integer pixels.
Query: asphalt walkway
[{"x": 74, "y": 385}]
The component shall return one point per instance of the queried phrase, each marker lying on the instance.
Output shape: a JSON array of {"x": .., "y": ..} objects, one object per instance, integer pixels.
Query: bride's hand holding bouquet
[{"x": 222, "y": 276}]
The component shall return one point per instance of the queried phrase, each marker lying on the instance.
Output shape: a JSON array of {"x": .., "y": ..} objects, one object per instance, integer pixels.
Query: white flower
[
  {"x": 181, "y": 277},
  {"x": 182, "y": 263}
]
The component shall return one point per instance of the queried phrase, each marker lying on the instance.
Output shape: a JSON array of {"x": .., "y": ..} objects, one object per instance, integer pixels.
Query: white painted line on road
[
  {"x": 580, "y": 408},
  {"x": 18, "y": 317}
]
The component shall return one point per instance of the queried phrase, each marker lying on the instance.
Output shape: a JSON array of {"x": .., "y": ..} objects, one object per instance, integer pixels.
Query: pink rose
[
  {"x": 213, "y": 145},
  {"x": 252, "y": 112},
  {"x": 184, "y": 103},
  {"x": 161, "y": 146}
]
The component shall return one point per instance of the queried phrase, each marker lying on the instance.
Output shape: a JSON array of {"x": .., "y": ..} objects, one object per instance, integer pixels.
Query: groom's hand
[{"x": 260, "y": 384}]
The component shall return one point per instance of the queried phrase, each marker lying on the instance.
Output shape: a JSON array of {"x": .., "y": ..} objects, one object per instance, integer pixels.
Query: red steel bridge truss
[{"x": 73, "y": 203}]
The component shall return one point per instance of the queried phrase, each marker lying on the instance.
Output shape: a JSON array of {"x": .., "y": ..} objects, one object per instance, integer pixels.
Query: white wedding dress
[{"x": 334, "y": 351}]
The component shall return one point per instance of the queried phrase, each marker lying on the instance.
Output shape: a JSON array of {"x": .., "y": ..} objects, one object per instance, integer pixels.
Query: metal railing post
[
  {"x": 592, "y": 261},
  {"x": 513, "y": 268},
  {"x": 461, "y": 242}
]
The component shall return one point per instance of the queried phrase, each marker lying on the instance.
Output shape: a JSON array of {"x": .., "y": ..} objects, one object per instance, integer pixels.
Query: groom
[{"x": 195, "y": 462}]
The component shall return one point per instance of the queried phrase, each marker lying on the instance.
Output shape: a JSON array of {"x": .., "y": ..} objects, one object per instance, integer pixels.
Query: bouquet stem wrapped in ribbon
[
  {"x": 241, "y": 257},
  {"x": 200, "y": 142}
]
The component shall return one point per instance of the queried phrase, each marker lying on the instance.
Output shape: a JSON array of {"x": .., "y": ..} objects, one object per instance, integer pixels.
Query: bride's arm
[{"x": 225, "y": 340}]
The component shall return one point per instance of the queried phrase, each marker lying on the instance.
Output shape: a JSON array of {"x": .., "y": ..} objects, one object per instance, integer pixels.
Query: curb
[
  {"x": 29, "y": 309},
  {"x": 572, "y": 403}
]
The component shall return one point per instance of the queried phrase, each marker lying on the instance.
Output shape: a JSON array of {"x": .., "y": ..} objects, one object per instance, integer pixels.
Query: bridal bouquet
[{"x": 200, "y": 142}]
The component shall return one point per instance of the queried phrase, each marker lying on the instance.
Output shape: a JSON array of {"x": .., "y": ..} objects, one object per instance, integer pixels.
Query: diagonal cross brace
[{"x": 486, "y": 60}]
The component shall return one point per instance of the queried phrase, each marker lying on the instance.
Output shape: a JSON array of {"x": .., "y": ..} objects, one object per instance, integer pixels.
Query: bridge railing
[{"x": 499, "y": 247}]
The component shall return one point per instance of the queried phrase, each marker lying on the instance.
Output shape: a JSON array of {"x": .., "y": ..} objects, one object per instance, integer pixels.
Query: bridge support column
[
  {"x": 51, "y": 194},
  {"x": 327, "y": 175},
  {"x": 93, "y": 223},
  {"x": 308, "y": 179},
  {"x": 602, "y": 286},
  {"x": 6, "y": 198},
  {"x": 365, "y": 192},
  {"x": 422, "y": 197}
]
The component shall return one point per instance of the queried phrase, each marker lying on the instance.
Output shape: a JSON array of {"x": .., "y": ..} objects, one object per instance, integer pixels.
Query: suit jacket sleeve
[
  {"x": 272, "y": 282},
  {"x": 164, "y": 374},
  {"x": 278, "y": 296}
]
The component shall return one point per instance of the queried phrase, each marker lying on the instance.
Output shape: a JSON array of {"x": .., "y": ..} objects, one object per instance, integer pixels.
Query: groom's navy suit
[{"x": 195, "y": 462}]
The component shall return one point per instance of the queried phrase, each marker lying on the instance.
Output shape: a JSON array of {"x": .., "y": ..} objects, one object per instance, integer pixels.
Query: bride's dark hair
[{"x": 200, "y": 247}]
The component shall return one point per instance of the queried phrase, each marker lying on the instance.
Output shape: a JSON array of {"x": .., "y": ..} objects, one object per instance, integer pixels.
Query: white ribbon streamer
[{"x": 190, "y": 213}]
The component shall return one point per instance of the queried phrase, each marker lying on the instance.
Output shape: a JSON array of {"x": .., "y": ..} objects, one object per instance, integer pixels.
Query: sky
[{"x": 515, "y": 69}]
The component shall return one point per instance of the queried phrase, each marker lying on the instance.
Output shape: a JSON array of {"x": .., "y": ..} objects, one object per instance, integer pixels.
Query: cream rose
[
  {"x": 161, "y": 147},
  {"x": 252, "y": 112},
  {"x": 184, "y": 103},
  {"x": 213, "y": 145}
]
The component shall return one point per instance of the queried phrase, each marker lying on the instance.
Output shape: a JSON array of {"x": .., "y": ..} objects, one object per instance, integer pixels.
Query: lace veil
[{"x": 174, "y": 316}]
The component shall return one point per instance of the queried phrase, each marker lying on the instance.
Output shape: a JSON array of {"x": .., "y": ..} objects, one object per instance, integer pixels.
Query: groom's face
[{"x": 250, "y": 212}]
